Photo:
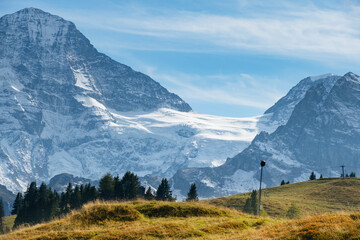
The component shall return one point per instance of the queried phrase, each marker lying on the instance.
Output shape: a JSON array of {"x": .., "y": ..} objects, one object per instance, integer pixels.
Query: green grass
[{"x": 315, "y": 197}]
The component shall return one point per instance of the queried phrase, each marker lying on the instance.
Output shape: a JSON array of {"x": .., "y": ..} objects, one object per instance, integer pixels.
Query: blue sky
[{"x": 228, "y": 58}]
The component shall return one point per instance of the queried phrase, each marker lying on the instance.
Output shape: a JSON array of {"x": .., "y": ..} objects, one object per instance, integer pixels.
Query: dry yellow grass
[
  {"x": 166, "y": 220},
  {"x": 316, "y": 197},
  {"x": 336, "y": 227},
  {"x": 201, "y": 220},
  {"x": 144, "y": 220}
]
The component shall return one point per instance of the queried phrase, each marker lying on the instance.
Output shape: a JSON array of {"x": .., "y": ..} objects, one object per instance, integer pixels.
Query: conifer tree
[
  {"x": 192, "y": 194},
  {"x": 106, "y": 187},
  {"x": 251, "y": 203},
  {"x": 312, "y": 176},
  {"x": 352, "y": 174},
  {"x": 321, "y": 176},
  {"x": 52, "y": 207},
  {"x": 88, "y": 194},
  {"x": 282, "y": 183},
  {"x": 65, "y": 197},
  {"x": 163, "y": 192},
  {"x": 31, "y": 198},
  {"x": 42, "y": 202},
  {"x": 118, "y": 188},
  {"x": 149, "y": 195},
  {"x": 288, "y": 182},
  {"x": 75, "y": 198},
  {"x": 131, "y": 187},
  {"x": 1, "y": 215},
  {"x": 17, "y": 204}
]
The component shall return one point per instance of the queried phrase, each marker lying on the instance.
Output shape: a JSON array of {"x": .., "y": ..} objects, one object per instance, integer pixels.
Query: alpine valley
[{"x": 66, "y": 108}]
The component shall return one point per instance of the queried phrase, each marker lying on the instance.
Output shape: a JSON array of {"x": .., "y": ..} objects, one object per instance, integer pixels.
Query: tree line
[
  {"x": 39, "y": 204},
  {"x": 313, "y": 175}
]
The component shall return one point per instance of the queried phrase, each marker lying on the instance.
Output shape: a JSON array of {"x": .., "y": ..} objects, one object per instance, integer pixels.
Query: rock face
[
  {"x": 61, "y": 181},
  {"x": 281, "y": 111},
  {"x": 66, "y": 108},
  {"x": 322, "y": 133},
  {"x": 55, "y": 91}
]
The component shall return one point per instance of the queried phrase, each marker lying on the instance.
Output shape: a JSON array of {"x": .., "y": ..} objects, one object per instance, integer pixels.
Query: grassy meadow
[
  {"x": 317, "y": 197},
  {"x": 329, "y": 209}
]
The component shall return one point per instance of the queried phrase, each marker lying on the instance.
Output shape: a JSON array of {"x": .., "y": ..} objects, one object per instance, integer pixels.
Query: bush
[{"x": 293, "y": 212}]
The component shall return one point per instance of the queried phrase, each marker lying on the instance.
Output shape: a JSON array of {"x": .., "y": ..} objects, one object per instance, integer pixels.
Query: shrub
[{"x": 293, "y": 212}]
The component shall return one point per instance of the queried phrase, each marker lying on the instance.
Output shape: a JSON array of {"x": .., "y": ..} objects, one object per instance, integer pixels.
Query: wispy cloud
[
  {"x": 301, "y": 32},
  {"x": 237, "y": 90}
]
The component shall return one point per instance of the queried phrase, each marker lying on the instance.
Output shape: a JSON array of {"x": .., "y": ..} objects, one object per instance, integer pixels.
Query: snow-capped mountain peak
[
  {"x": 323, "y": 76},
  {"x": 66, "y": 108},
  {"x": 321, "y": 135}
]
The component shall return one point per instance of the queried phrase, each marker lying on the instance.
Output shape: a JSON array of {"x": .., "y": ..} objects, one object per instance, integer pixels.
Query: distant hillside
[{"x": 312, "y": 197}]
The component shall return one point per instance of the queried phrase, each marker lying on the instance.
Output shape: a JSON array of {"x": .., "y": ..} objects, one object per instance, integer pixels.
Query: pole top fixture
[{"x": 262, "y": 164}]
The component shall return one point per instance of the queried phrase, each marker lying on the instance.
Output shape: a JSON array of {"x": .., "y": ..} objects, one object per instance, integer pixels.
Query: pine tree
[
  {"x": 312, "y": 176},
  {"x": 30, "y": 202},
  {"x": 282, "y": 183},
  {"x": 64, "y": 206},
  {"x": 118, "y": 188},
  {"x": 42, "y": 203},
  {"x": 17, "y": 204},
  {"x": 321, "y": 176},
  {"x": 88, "y": 194},
  {"x": 352, "y": 174},
  {"x": 130, "y": 186},
  {"x": 38, "y": 205},
  {"x": 247, "y": 206},
  {"x": 52, "y": 207},
  {"x": 75, "y": 198},
  {"x": 106, "y": 187},
  {"x": 163, "y": 192},
  {"x": 192, "y": 194},
  {"x": 1, "y": 215},
  {"x": 251, "y": 203},
  {"x": 149, "y": 195},
  {"x": 288, "y": 182}
]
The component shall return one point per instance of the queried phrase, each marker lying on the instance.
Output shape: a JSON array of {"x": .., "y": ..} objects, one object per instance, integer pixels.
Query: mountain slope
[{"x": 321, "y": 134}]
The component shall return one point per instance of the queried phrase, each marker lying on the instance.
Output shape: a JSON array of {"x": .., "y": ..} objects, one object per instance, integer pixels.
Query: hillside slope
[
  {"x": 315, "y": 197},
  {"x": 166, "y": 220},
  {"x": 144, "y": 220}
]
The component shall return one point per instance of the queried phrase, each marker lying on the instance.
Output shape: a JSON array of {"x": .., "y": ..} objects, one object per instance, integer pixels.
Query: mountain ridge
[{"x": 321, "y": 133}]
